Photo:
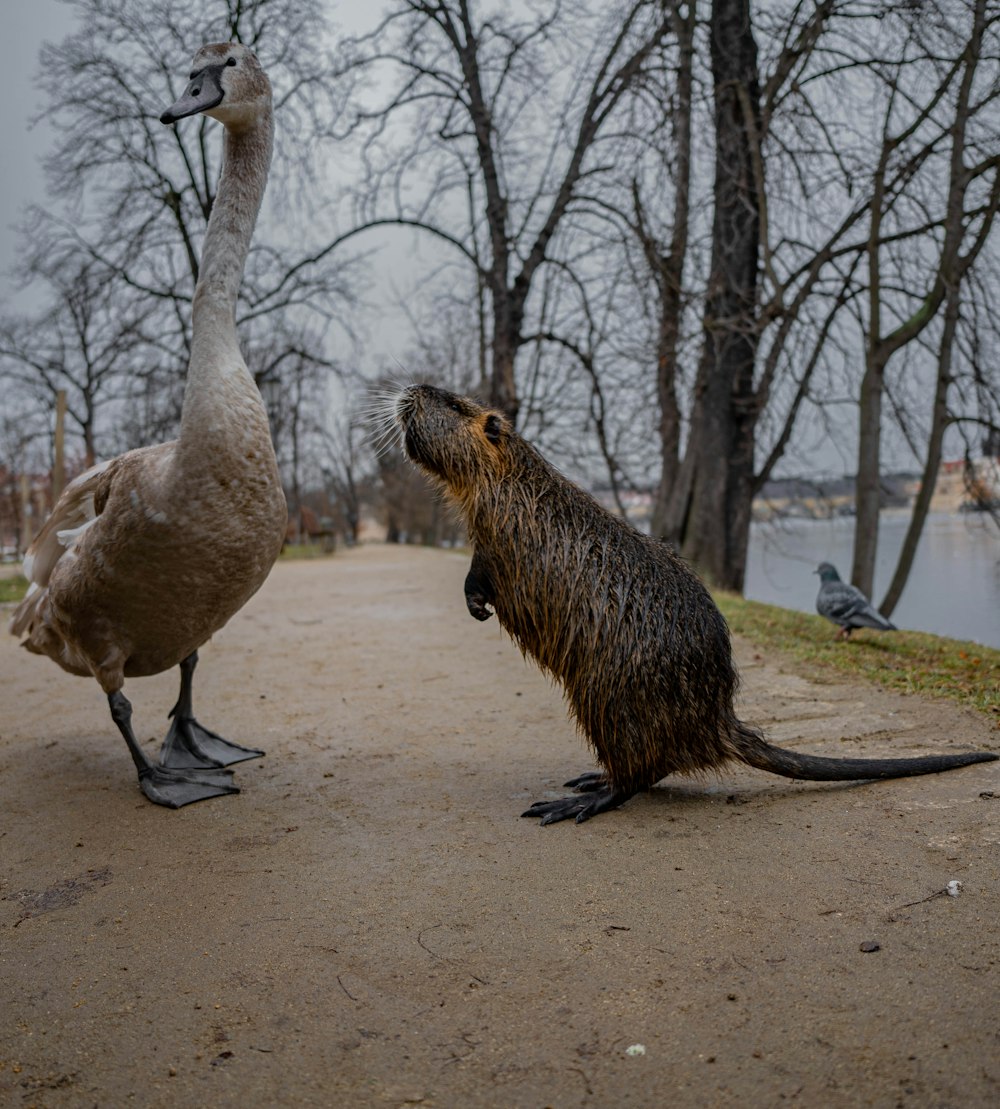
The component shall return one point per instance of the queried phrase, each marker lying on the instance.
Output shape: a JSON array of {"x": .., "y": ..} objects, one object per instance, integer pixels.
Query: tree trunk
[
  {"x": 506, "y": 341},
  {"x": 932, "y": 463},
  {"x": 671, "y": 276},
  {"x": 867, "y": 487},
  {"x": 714, "y": 525}
]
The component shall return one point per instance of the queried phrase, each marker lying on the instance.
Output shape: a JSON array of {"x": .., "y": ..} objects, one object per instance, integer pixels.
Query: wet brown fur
[{"x": 626, "y": 627}]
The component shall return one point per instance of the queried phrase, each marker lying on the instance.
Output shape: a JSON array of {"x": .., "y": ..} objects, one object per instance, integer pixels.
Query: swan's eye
[{"x": 230, "y": 61}]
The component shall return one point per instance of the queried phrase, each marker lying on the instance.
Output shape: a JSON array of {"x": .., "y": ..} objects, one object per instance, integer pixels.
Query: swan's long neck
[
  {"x": 246, "y": 158},
  {"x": 218, "y": 379}
]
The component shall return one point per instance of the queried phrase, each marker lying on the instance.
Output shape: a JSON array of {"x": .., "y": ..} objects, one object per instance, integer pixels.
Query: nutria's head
[{"x": 451, "y": 437}]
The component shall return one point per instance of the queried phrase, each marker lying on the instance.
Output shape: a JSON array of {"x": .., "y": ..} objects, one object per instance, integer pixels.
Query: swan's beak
[{"x": 203, "y": 92}]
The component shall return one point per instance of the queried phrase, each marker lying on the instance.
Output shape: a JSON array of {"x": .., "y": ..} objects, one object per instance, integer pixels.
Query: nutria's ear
[{"x": 492, "y": 427}]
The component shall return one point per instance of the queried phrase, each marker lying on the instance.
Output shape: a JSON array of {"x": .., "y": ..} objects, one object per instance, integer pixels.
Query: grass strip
[{"x": 908, "y": 661}]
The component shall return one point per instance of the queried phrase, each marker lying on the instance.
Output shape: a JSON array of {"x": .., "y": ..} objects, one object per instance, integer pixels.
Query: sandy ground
[{"x": 369, "y": 923}]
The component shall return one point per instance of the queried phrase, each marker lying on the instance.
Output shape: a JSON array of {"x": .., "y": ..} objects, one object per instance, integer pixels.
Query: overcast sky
[
  {"x": 25, "y": 26},
  {"x": 27, "y": 23}
]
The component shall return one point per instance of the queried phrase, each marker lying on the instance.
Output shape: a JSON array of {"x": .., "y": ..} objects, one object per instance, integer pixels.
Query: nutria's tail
[{"x": 752, "y": 748}]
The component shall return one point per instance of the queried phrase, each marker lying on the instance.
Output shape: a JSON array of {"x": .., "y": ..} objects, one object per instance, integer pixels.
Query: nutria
[{"x": 617, "y": 617}]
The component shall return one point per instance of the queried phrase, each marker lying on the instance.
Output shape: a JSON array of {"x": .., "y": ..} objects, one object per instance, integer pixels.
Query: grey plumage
[{"x": 844, "y": 604}]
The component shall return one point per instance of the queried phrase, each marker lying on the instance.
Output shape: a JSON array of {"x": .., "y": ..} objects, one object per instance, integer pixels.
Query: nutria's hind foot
[
  {"x": 587, "y": 783},
  {"x": 594, "y": 797}
]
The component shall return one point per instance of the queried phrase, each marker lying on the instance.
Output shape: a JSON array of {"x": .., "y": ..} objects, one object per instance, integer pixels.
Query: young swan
[
  {"x": 147, "y": 555},
  {"x": 633, "y": 636}
]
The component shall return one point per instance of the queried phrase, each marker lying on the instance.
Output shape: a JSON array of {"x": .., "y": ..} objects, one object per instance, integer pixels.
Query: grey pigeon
[{"x": 846, "y": 605}]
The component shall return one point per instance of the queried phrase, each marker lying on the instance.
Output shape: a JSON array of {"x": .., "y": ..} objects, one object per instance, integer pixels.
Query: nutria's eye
[
  {"x": 230, "y": 61},
  {"x": 455, "y": 406},
  {"x": 492, "y": 428}
]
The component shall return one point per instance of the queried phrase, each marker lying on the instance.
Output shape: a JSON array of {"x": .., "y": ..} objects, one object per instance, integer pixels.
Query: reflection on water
[{"x": 953, "y": 588}]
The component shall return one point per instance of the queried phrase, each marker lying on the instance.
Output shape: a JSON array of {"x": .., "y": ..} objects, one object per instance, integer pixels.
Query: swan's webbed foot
[
  {"x": 594, "y": 795},
  {"x": 188, "y": 744},
  {"x": 176, "y": 788},
  {"x": 161, "y": 785}
]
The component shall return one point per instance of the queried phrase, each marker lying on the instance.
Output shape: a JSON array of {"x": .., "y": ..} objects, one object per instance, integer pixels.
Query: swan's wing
[{"x": 75, "y": 511}]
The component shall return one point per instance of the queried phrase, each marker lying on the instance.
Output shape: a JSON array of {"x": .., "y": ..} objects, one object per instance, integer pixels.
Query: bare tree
[
  {"x": 933, "y": 131},
  {"x": 131, "y": 199},
  {"x": 345, "y": 479},
  {"x": 502, "y": 126},
  {"x": 710, "y": 520},
  {"x": 85, "y": 343},
  {"x": 666, "y": 266},
  {"x": 796, "y": 182}
]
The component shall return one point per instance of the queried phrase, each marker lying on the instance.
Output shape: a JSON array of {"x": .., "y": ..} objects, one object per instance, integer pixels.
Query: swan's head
[{"x": 226, "y": 82}]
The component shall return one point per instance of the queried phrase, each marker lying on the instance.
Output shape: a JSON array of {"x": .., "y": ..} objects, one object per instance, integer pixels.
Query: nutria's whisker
[{"x": 379, "y": 416}]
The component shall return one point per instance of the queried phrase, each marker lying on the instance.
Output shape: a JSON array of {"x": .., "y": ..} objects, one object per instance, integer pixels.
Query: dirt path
[{"x": 370, "y": 924}]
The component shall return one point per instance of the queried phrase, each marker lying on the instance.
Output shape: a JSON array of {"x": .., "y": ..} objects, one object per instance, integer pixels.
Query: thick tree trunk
[
  {"x": 506, "y": 342},
  {"x": 714, "y": 525},
  {"x": 717, "y": 528}
]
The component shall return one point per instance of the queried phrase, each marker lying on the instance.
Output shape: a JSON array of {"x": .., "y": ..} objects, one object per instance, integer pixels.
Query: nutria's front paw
[
  {"x": 478, "y": 606},
  {"x": 479, "y": 592}
]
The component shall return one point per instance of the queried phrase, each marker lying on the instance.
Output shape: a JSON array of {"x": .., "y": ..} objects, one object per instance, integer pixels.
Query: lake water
[{"x": 953, "y": 588}]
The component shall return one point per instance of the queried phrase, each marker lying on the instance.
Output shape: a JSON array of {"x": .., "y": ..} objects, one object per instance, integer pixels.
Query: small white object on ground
[
  {"x": 636, "y": 1049},
  {"x": 954, "y": 887}
]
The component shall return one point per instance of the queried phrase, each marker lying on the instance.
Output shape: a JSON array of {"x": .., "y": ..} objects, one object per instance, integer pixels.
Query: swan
[{"x": 147, "y": 555}]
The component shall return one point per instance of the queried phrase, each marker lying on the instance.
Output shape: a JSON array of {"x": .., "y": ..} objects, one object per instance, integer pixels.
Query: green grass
[
  {"x": 293, "y": 552},
  {"x": 12, "y": 589},
  {"x": 911, "y": 662}
]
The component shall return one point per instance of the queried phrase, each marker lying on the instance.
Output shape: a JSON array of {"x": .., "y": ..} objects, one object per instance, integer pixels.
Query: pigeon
[{"x": 846, "y": 605}]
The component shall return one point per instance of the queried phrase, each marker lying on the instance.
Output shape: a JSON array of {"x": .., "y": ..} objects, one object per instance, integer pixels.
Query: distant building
[{"x": 971, "y": 486}]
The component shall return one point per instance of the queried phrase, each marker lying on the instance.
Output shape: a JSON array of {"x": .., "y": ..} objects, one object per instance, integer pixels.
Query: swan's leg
[
  {"x": 161, "y": 785},
  {"x": 188, "y": 743}
]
